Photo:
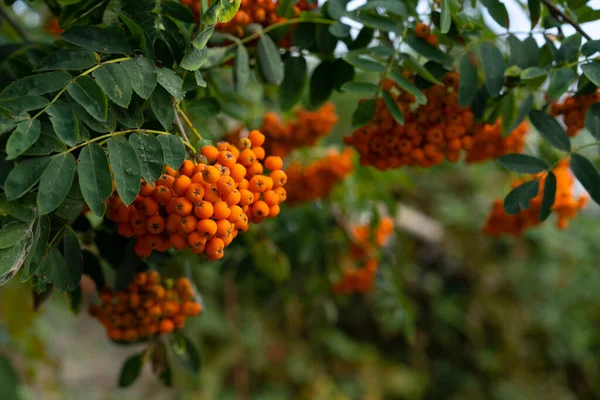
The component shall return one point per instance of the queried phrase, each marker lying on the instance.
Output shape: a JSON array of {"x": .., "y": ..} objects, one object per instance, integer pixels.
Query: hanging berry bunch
[
  {"x": 317, "y": 179},
  {"x": 204, "y": 206},
  {"x": 566, "y": 205},
  {"x": 148, "y": 307},
  {"x": 488, "y": 142},
  {"x": 573, "y": 110},
  {"x": 359, "y": 273}
]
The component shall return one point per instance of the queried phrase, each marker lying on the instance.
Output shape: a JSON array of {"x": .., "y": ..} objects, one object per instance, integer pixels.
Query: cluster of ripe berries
[
  {"x": 488, "y": 142},
  {"x": 423, "y": 31},
  {"x": 573, "y": 110},
  {"x": 262, "y": 12},
  {"x": 204, "y": 206},
  {"x": 317, "y": 180},
  {"x": 437, "y": 130},
  {"x": 53, "y": 27},
  {"x": 565, "y": 206},
  {"x": 359, "y": 272},
  {"x": 148, "y": 307}
]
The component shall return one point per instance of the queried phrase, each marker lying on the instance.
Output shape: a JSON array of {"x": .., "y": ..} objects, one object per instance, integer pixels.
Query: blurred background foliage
[{"x": 453, "y": 316}]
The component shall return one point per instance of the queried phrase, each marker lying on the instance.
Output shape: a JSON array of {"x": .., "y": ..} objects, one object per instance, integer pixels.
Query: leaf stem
[
  {"x": 269, "y": 28},
  {"x": 188, "y": 122},
  {"x": 182, "y": 129},
  {"x": 112, "y": 134}
]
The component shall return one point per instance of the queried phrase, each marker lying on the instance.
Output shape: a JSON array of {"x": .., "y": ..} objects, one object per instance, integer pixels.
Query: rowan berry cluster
[
  {"x": 431, "y": 132},
  {"x": 304, "y": 130},
  {"x": 53, "y": 27},
  {"x": 488, "y": 142},
  {"x": 147, "y": 308},
  {"x": 360, "y": 275},
  {"x": 573, "y": 110},
  {"x": 204, "y": 206},
  {"x": 317, "y": 180},
  {"x": 565, "y": 206},
  {"x": 423, "y": 31}
]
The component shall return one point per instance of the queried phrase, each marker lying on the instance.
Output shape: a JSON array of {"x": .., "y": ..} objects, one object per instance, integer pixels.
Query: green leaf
[
  {"x": 550, "y": 129},
  {"x": 524, "y": 109},
  {"x": 206, "y": 107},
  {"x": 173, "y": 150},
  {"x": 294, "y": 82},
  {"x": 518, "y": 52},
  {"x": 428, "y": 51},
  {"x": 340, "y": 30},
  {"x": 392, "y": 106},
  {"x": 548, "y": 196},
  {"x": 590, "y": 47},
  {"x": 24, "y": 176},
  {"x": 535, "y": 10},
  {"x": 86, "y": 92},
  {"x": 115, "y": 81},
  {"x": 587, "y": 174},
  {"x": 125, "y": 168},
  {"x": 498, "y": 12},
  {"x": 376, "y": 21},
  {"x": 96, "y": 39},
  {"x": 69, "y": 59},
  {"x": 22, "y": 138},
  {"x": 131, "y": 370},
  {"x": 131, "y": 118},
  {"x": 364, "y": 112},
  {"x": 592, "y": 120},
  {"x": 241, "y": 69},
  {"x": 560, "y": 82},
  {"x": 12, "y": 233},
  {"x": 569, "y": 48},
  {"x": 493, "y": 68},
  {"x": 522, "y": 163},
  {"x": 344, "y": 72},
  {"x": 269, "y": 61},
  {"x": 194, "y": 58},
  {"x": 533, "y": 73},
  {"x": 168, "y": 79},
  {"x": 360, "y": 87},
  {"x": 95, "y": 179},
  {"x": 321, "y": 83},
  {"x": 65, "y": 123},
  {"x": 138, "y": 33},
  {"x": 12, "y": 259},
  {"x": 177, "y": 11},
  {"x": 18, "y": 211},
  {"x": 446, "y": 19},
  {"x": 142, "y": 73},
  {"x": 45, "y": 145},
  {"x": 37, "y": 85},
  {"x": 408, "y": 87},
  {"x": 73, "y": 259},
  {"x": 59, "y": 270},
  {"x": 162, "y": 107},
  {"x": 56, "y": 182},
  {"x": 520, "y": 197},
  {"x": 38, "y": 248},
  {"x": 468, "y": 81},
  {"x": 149, "y": 154},
  {"x": 23, "y": 104},
  {"x": 366, "y": 64},
  {"x": 393, "y": 6},
  {"x": 412, "y": 64},
  {"x": 203, "y": 37},
  {"x": 185, "y": 352},
  {"x": 592, "y": 71},
  {"x": 228, "y": 10}
]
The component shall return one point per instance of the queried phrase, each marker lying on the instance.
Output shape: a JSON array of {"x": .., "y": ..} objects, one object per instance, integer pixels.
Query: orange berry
[
  {"x": 274, "y": 211},
  {"x": 211, "y": 174},
  {"x": 256, "y": 138},
  {"x": 210, "y": 152},
  {"x": 162, "y": 194},
  {"x": 138, "y": 220},
  {"x": 154, "y": 277},
  {"x": 247, "y": 157},
  {"x": 196, "y": 242},
  {"x": 207, "y": 227},
  {"x": 233, "y": 197},
  {"x": 245, "y": 143},
  {"x": 203, "y": 210},
  {"x": 187, "y": 168},
  {"x": 142, "y": 249},
  {"x": 279, "y": 178},
  {"x": 212, "y": 193},
  {"x": 260, "y": 209},
  {"x": 238, "y": 172},
  {"x": 215, "y": 248},
  {"x": 165, "y": 180},
  {"x": 247, "y": 197},
  {"x": 271, "y": 198},
  {"x": 273, "y": 163},
  {"x": 141, "y": 279},
  {"x": 195, "y": 192},
  {"x": 281, "y": 192},
  {"x": 146, "y": 189},
  {"x": 149, "y": 206},
  {"x": 227, "y": 158},
  {"x": 422, "y": 30},
  {"x": 178, "y": 241},
  {"x": 191, "y": 308},
  {"x": 181, "y": 185},
  {"x": 221, "y": 210},
  {"x": 188, "y": 224},
  {"x": 155, "y": 224},
  {"x": 125, "y": 229},
  {"x": 255, "y": 169},
  {"x": 223, "y": 228},
  {"x": 225, "y": 185},
  {"x": 173, "y": 222},
  {"x": 166, "y": 326},
  {"x": 235, "y": 213},
  {"x": 260, "y": 152},
  {"x": 171, "y": 172},
  {"x": 171, "y": 205},
  {"x": 183, "y": 206}
]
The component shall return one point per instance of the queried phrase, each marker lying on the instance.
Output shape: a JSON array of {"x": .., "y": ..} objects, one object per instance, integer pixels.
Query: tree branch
[
  {"x": 6, "y": 16},
  {"x": 555, "y": 11}
]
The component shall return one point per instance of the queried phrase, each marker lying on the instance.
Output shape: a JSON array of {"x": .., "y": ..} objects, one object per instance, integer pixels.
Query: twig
[
  {"x": 558, "y": 12},
  {"x": 14, "y": 24},
  {"x": 180, "y": 125},
  {"x": 188, "y": 122}
]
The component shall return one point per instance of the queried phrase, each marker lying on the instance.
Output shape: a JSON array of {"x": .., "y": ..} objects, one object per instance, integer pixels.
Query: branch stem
[
  {"x": 188, "y": 122},
  {"x": 557, "y": 11}
]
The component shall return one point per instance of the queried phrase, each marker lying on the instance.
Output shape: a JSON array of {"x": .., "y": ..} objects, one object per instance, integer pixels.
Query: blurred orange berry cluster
[
  {"x": 262, "y": 12},
  {"x": 304, "y": 130},
  {"x": 573, "y": 110},
  {"x": 317, "y": 180},
  {"x": 432, "y": 132},
  {"x": 53, "y": 27},
  {"x": 423, "y": 31},
  {"x": 148, "y": 307},
  {"x": 204, "y": 206},
  {"x": 565, "y": 206},
  {"x": 367, "y": 240},
  {"x": 488, "y": 142}
]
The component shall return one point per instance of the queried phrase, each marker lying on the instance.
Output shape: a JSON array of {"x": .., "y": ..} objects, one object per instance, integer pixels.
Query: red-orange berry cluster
[
  {"x": 317, "y": 180},
  {"x": 488, "y": 142},
  {"x": 148, "y": 307},
  {"x": 431, "y": 133},
  {"x": 423, "y": 31},
  {"x": 204, "y": 206},
  {"x": 573, "y": 110},
  {"x": 565, "y": 206},
  {"x": 359, "y": 277},
  {"x": 53, "y": 27}
]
